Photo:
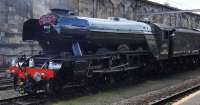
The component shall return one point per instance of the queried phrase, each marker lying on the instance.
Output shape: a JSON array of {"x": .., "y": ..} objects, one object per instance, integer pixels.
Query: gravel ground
[{"x": 117, "y": 95}]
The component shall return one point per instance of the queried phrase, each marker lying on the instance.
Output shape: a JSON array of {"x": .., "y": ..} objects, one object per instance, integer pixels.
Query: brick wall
[{"x": 13, "y": 15}]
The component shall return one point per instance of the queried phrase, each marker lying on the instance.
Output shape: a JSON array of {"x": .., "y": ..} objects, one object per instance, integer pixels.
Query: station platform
[{"x": 192, "y": 99}]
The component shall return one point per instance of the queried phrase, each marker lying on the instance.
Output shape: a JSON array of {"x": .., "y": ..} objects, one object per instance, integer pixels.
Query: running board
[{"x": 116, "y": 70}]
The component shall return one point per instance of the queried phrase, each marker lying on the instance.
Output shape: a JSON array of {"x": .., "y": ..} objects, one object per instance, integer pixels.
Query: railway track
[
  {"x": 172, "y": 98},
  {"x": 6, "y": 81},
  {"x": 2, "y": 74},
  {"x": 37, "y": 99},
  {"x": 6, "y": 84},
  {"x": 166, "y": 95}
]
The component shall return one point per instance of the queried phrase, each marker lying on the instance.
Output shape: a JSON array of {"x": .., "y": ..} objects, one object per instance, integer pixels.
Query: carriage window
[{"x": 165, "y": 35}]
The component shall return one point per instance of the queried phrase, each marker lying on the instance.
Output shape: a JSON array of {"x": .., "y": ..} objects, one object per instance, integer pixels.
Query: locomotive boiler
[
  {"x": 78, "y": 50},
  {"x": 61, "y": 29}
]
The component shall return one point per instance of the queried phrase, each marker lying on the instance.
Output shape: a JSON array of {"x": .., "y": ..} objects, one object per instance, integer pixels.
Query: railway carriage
[{"x": 81, "y": 49}]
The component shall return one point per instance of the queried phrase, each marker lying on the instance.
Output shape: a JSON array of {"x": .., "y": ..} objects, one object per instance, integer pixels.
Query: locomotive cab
[{"x": 165, "y": 38}]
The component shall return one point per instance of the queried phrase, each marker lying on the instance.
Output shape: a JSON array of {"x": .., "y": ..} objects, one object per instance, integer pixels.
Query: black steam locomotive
[{"x": 81, "y": 49}]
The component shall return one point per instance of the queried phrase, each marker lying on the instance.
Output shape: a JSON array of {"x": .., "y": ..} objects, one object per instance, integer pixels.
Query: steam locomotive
[{"x": 81, "y": 49}]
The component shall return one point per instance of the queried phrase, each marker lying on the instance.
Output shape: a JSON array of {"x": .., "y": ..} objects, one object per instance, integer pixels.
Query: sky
[{"x": 181, "y": 4}]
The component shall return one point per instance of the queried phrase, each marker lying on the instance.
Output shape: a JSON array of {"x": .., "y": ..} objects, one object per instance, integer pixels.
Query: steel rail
[
  {"x": 6, "y": 81},
  {"x": 6, "y": 84},
  {"x": 176, "y": 95},
  {"x": 20, "y": 100}
]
